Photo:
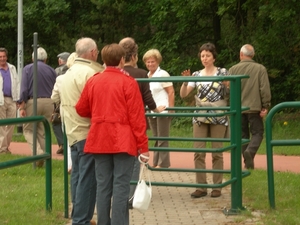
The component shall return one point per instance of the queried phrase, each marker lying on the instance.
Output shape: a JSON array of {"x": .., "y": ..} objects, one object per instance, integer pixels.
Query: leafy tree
[{"x": 175, "y": 27}]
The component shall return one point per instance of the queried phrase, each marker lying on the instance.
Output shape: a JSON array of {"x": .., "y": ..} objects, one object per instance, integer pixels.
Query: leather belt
[{"x": 37, "y": 97}]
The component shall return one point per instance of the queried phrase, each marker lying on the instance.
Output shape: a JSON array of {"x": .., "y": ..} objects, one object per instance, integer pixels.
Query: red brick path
[{"x": 185, "y": 160}]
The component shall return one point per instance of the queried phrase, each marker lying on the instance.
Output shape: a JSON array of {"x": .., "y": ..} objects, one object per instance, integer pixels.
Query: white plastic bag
[{"x": 143, "y": 192}]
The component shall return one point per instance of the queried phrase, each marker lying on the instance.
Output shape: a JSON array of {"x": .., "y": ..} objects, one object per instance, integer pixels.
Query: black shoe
[
  {"x": 198, "y": 194},
  {"x": 60, "y": 151},
  {"x": 249, "y": 164}
]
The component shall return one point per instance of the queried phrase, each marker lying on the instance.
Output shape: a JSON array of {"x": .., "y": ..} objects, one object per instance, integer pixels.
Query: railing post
[
  {"x": 236, "y": 140},
  {"x": 48, "y": 166},
  {"x": 35, "y": 46},
  {"x": 269, "y": 150},
  {"x": 66, "y": 178}
]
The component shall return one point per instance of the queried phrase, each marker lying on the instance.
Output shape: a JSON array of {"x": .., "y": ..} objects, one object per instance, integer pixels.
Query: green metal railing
[
  {"x": 46, "y": 156},
  {"x": 66, "y": 177},
  {"x": 234, "y": 111},
  {"x": 270, "y": 143}
]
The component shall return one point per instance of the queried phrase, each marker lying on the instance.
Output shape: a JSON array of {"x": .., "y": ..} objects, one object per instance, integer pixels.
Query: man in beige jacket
[{"x": 83, "y": 181}]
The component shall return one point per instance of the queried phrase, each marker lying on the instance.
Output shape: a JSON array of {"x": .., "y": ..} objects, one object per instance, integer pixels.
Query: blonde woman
[{"x": 163, "y": 94}]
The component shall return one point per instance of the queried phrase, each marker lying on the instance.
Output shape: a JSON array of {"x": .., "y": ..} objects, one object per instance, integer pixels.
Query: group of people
[{"x": 103, "y": 107}]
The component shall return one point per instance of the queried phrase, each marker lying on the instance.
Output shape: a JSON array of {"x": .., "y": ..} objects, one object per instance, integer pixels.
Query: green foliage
[{"x": 177, "y": 28}]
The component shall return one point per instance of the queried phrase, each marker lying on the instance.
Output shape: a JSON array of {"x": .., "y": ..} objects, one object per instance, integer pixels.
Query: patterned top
[{"x": 210, "y": 92}]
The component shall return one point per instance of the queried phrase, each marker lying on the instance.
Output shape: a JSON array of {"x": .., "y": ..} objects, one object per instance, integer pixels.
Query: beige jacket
[{"x": 69, "y": 88}]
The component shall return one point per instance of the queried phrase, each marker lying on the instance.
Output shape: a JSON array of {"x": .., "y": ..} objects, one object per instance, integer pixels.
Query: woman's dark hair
[{"x": 208, "y": 47}]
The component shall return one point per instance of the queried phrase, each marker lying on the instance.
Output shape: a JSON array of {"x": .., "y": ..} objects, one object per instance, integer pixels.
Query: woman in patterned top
[{"x": 209, "y": 93}]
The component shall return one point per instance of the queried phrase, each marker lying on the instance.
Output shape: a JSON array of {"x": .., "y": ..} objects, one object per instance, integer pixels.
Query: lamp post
[{"x": 20, "y": 51}]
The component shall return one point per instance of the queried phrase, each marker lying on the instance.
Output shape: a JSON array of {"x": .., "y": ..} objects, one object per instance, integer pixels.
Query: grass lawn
[
  {"x": 22, "y": 194},
  {"x": 255, "y": 197}
]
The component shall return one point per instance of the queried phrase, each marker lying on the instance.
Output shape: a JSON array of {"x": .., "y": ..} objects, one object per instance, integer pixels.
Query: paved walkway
[{"x": 174, "y": 206}]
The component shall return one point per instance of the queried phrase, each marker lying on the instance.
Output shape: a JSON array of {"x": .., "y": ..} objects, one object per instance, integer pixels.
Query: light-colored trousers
[
  {"x": 44, "y": 108},
  {"x": 213, "y": 131},
  {"x": 8, "y": 110}
]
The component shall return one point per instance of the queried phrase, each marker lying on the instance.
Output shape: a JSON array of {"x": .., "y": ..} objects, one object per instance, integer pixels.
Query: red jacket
[{"x": 113, "y": 101}]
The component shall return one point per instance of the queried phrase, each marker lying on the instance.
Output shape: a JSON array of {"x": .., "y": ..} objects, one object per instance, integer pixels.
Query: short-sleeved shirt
[{"x": 159, "y": 94}]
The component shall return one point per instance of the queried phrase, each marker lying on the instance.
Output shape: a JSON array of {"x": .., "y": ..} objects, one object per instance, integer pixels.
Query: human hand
[
  {"x": 144, "y": 158},
  {"x": 186, "y": 73},
  {"x": 263, "y": 113},
  {"x": 226, "y": 83},
  {"x": 22, "y": 112},
  {"x": 160, "y": 108}
]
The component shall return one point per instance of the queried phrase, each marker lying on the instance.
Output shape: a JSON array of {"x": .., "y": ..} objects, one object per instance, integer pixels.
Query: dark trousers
[
  {"x": 57, "y": 130},
  {"x": 252, "y": 124}
]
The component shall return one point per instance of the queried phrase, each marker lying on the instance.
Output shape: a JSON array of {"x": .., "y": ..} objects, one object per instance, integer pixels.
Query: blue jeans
[
  {"x": 135, "y": 176},
  {"x": 113, "y": 174},
  {"x": 83, "y": 185}
]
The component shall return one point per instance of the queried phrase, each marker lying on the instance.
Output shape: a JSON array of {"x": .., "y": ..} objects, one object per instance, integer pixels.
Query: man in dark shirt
[{"x": 45, "y": 81}]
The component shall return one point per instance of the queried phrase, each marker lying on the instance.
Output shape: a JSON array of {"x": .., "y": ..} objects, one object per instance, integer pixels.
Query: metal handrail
[
  {"x": 234, "y": 111},
  {"x": 270, "y": 143},
  {"x": 46, "y": 156}
]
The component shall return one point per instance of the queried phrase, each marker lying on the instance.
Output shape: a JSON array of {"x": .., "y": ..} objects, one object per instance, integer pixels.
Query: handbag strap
[
  {"x": 148, "y": 173},
  {"x": 141, "y": 175}
]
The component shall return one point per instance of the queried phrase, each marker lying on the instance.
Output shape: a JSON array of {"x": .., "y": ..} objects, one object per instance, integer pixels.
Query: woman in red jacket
[{"x": 118, "y": 133}]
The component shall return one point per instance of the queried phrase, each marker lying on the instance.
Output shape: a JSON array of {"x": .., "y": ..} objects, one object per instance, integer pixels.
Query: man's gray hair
[
  {"x": 85, "y": 45},
  {"x": 41, "y": 54},
  {"x": 248, "y": 50}
]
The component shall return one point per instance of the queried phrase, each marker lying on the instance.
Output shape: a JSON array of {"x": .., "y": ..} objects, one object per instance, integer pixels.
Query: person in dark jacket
[
  {"x": 57, "y": 127},
  {"x": 131, "y": 58}
]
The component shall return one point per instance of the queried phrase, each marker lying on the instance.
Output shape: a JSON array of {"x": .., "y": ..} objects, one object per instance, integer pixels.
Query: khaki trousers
[
  {"x": 8, "y": 110},
  {"x": 160, "y": 127},
  {"x": 44, "y": 108},
  {"x": 213, "y": 131}
]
